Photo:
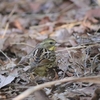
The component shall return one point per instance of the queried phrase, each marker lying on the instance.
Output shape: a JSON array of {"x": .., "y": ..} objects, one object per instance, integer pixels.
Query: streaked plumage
[{"x": 43, "y": 57}]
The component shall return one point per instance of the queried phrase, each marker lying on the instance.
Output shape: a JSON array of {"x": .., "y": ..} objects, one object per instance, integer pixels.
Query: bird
[{"x": 43, "y": 57}]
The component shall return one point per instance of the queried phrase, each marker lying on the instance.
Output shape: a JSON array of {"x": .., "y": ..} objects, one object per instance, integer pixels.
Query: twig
[
  {"x": 92, "y": 79},
  {"x": 6, "y": 28},
  {"x": 79, "y": 47},
  {"x": 7, "y": 24},
  {"x": 22, "y": 44},
  {"x": 55, "y": 22},
  {"x": 67, "y": 8},
  {"x": 12, "y": 12},
  {"x": 5, "y": 55}
]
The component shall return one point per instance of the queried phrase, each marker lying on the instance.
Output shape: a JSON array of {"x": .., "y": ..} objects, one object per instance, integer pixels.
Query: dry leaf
[{"x": 5, "y": 80}]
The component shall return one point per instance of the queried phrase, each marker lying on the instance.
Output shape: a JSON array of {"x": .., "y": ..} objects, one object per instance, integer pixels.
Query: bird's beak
[{"x": 57, "y": 44}]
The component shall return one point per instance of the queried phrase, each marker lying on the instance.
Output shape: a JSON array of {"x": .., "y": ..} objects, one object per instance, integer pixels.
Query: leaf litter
[{"x": 76, "y": 28}]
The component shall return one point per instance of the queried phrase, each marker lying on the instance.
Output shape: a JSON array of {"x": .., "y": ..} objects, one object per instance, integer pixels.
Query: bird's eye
[{"x": 51, "y": 42}]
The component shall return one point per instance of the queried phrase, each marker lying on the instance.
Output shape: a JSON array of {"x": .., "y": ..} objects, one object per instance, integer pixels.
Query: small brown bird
[{"x": 43, "y": 57}]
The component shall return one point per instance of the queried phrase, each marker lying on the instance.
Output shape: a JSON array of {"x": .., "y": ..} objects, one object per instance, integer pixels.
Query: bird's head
[{"x": 49, "y": 44}]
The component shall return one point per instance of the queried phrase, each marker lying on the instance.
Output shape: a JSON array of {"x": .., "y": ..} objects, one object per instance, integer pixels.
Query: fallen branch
[{"x": 92, "y": 79}]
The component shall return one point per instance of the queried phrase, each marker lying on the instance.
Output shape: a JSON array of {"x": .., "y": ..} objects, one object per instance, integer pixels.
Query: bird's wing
[
  {"x": 41, "y": 56},
  {"x": 38, "y": 55}
]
